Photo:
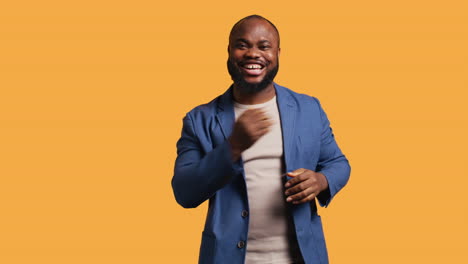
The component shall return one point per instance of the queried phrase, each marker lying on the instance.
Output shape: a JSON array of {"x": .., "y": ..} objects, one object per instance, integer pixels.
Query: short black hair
[{"x": 256, "y": 17}]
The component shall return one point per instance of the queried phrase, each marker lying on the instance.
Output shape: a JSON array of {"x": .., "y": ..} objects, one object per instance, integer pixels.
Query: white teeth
[{"x": 253, "y": 66}]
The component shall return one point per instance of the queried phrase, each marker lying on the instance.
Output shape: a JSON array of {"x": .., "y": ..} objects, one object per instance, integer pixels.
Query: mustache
[{"x": 247, "y": 87}]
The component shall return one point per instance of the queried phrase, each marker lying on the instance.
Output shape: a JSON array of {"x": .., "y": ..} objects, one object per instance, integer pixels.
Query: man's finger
[
  {"x": 255, "y": 111},
  {"x": 262, "y": 118},
  {"x": 299, "y": 187},
  {"x": 296, "y": 178},
  {"x": 300, "y": 195},
  {"x": 305, "y": 200},
  {"x": 261, "y": 131},
  {"x": 264, "y": 124},
  {"x": 296, "y": 172}
]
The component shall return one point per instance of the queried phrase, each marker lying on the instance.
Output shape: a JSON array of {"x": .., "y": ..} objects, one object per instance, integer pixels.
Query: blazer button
[
  {"x": 244, "y": 213},
  {"x": 241, "y": 244}
]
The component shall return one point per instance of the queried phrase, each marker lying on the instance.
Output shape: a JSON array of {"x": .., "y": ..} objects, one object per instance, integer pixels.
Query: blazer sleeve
[
  {"x": 198, "y": 175},
  {"x": 332, "y": 163}
]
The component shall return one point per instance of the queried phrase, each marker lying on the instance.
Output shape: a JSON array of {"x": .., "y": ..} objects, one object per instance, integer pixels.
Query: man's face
[{"x": 253, "y": 55}]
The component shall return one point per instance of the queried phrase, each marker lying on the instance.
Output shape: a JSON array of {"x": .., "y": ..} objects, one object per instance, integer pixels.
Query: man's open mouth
[{"x": 253, "y": 68}]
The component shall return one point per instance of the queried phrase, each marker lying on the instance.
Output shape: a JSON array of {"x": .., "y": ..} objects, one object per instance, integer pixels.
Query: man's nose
[{"x": 252, "y": 53}]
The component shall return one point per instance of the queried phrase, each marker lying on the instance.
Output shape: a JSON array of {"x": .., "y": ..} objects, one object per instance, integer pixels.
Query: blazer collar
[{"x": 225, "y": 112}]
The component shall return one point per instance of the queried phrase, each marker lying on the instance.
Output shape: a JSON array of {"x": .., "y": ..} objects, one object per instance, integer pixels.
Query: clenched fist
[{"x": 249, "y": 127}]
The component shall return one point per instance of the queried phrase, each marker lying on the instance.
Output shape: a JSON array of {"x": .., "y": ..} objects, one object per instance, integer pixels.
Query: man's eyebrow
[{"x": 241, "y": 40}]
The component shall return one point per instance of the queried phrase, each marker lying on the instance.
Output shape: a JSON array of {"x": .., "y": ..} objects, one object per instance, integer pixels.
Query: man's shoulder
[
  {"x": 299, "y": 98},
  {"x": 206, "y": 109}
]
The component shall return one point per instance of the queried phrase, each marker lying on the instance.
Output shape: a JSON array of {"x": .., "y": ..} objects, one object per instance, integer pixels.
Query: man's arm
[
  {"x": 332, "y": 163},
  {"x": 330, "y": 175},
  {"x": 197, "y": 176}
]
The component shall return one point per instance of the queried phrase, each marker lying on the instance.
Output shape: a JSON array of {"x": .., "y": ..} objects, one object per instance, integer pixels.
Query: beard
[{"x": 247, "y": 87}]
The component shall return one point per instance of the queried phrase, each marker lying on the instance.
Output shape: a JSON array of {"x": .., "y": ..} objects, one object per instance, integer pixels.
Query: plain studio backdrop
[{"x": 92, "y": 96}]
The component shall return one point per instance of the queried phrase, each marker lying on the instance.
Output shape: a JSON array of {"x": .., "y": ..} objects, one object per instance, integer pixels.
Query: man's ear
[
  {"x": 279, "y": 51},
  {"x": 228, "y": 48}
]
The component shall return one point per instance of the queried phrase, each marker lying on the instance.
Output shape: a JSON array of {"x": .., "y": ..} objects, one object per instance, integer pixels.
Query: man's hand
[
  {"x": 249, "y": 127},
  {"x": 305, "y": 185}
]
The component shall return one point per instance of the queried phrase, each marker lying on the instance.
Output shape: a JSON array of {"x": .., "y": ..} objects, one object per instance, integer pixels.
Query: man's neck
[{"x": 255, "y": 98}]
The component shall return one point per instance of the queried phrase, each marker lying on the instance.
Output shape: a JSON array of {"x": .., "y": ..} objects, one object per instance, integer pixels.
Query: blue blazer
[{"x": 204, "y": 170}]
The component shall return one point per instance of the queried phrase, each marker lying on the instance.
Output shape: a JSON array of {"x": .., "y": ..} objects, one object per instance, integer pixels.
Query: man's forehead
[{"x": 253, "y": 26}]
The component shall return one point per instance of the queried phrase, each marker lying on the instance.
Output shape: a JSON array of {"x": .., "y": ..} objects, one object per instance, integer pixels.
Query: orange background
[{"x": 93, "y": 94}]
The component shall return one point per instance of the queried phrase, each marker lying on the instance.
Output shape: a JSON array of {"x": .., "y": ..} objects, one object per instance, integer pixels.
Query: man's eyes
[
  {"x": 244, "y": 46},
  {"x": 241, "y": 46}
]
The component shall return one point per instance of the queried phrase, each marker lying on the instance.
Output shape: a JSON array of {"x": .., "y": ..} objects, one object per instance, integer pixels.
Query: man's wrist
[
  {"x": 323, "y": 182},
  {"x": 235, "y": 150}
]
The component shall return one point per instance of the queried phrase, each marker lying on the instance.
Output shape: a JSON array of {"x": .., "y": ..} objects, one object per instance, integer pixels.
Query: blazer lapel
[
  {"x": 225, "y": 116},
  {"x": 287, "y": 111}
]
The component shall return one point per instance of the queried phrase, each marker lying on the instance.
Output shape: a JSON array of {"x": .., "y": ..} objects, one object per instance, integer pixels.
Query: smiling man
[{"x": 262, "y": 155}]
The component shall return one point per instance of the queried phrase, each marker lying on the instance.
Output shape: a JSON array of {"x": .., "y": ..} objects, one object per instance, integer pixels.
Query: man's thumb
[{"x": 296, "y": 172}]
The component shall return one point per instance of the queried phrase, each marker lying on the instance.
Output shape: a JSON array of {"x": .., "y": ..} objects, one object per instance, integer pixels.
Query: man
[{"x": 262, "y": 154}]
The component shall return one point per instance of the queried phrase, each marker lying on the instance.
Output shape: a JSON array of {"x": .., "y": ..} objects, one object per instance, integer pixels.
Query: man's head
[{"x": 253, "y": 53}]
